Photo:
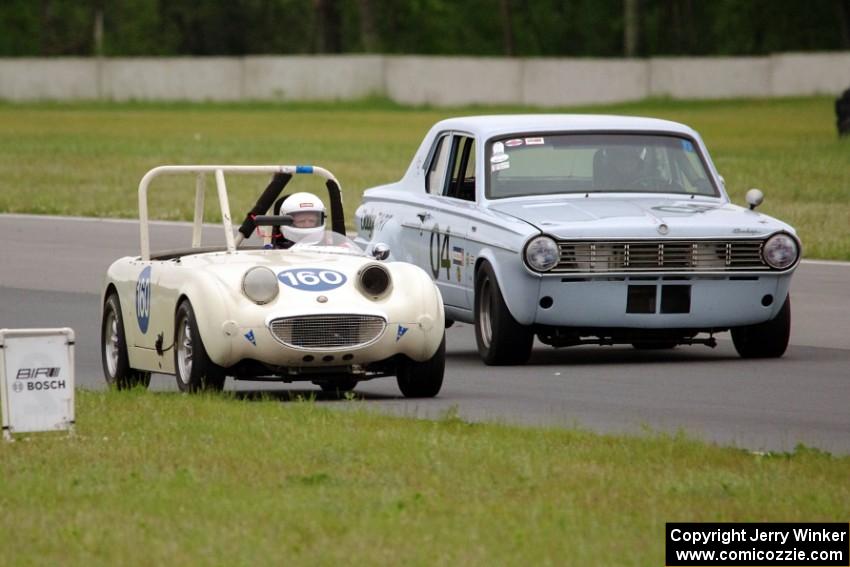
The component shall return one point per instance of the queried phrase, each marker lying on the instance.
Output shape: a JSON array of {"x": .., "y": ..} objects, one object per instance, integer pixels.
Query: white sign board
[{"x": 36, "y": 379}]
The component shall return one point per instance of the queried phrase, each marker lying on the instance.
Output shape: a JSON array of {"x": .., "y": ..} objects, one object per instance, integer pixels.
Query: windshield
[
  {"x": 328, "y": 243},
  {"x": 595, "y": 163}
]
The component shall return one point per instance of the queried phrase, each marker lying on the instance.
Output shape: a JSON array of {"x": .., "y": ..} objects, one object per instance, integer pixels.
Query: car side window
[
  {"x": 461, "y": 184},
  {"x": 436, "y": 177}
]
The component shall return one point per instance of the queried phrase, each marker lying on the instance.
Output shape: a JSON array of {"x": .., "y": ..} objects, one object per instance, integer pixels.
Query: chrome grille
[
  {"x": 322, "y": 332},
  {"x": 660, "y": 256}
]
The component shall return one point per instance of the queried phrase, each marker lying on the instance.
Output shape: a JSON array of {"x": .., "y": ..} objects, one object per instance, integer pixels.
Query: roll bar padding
[{"x": 264, "y": 203}]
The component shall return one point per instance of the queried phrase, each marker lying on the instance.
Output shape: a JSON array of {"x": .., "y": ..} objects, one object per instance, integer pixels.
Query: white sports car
[
  {"x": 320, "y": 311},
  {"x": 584, "y": 229}
]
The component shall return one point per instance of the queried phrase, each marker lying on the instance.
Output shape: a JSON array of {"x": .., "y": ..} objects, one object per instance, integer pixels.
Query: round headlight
[
  {"x": 374, "y": 280},
  {"x": 260, "y": 285},
  {"x": 542, "y": 253},
  {"x": 780, "y": 251}
]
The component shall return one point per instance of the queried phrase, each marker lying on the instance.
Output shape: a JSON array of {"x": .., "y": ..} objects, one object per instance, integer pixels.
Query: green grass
[
  {"x": 87, "y": 158},
  {"x": 153, "y": 479}
]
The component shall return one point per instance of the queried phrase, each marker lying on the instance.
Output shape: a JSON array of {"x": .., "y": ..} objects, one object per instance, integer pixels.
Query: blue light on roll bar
[{"x": 303, "y": 169}]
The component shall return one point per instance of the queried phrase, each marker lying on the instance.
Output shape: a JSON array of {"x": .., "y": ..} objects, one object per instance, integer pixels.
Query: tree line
[{"x": 525, "y": 28}]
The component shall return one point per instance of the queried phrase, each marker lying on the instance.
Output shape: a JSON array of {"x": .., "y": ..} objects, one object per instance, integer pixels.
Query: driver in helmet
[
  {"x": 619, "y": 168},
  {"x": 308, "y": 219}
]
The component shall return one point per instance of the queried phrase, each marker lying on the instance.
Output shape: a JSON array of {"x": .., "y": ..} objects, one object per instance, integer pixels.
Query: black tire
[
  {"x": 500, "y": 339},
  {"x": 113, "y": 349},
  {"x": 338, "y": 386},
  {"x": 193, "y": 368},
  {"x": 765, "y": 340},
  {"x": 422, "y": 379}
]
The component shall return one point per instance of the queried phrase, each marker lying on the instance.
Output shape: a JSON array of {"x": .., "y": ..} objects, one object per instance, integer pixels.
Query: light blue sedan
[{"x": 583, "y": 229}]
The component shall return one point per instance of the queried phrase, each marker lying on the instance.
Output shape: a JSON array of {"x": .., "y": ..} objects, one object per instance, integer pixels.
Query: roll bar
[{"x": 218, "y": 171}]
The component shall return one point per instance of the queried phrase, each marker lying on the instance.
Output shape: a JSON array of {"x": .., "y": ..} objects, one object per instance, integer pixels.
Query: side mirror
[
  {"x": 755, "y": 198},
  {"x": 380, "y": 251}
]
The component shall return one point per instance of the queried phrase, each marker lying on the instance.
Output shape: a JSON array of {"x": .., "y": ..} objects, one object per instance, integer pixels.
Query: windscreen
[
  {"x": 595, "y": 163},
  {"x": 328, "y": 243}
]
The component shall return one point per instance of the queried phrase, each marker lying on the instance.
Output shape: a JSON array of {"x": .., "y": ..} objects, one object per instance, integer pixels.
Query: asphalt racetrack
[{"x": 51, "y": 272}]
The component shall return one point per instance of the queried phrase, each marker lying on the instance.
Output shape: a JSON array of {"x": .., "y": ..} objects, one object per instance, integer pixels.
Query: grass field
[
  {"x": 87, "y": 159},
  {"x": 153, "y": 479}
]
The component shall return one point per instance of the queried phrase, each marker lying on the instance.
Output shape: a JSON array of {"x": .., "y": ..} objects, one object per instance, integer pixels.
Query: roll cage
[{"x": 282, "y": 174}]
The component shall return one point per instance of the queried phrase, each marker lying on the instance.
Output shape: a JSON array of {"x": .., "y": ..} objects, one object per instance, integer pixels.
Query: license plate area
[
  {"x": 675, "y": 299},
  {"x": 666, "y": 299},
  {"x": 641, "y": 299}
]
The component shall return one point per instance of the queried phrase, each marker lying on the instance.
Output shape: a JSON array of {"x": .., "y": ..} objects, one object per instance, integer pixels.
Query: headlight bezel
[
  {"x": 777, "y": 237},
  {"x": 259, "y": 298},
  {"x": 372, "y": 293},
  {"x": 533, "y": 246}
]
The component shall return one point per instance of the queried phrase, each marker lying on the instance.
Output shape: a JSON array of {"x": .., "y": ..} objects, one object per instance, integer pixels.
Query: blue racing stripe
[{"x": 303, "y": 169}]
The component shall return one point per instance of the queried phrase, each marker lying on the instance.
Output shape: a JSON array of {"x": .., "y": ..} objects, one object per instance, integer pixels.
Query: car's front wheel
[
  {"x": 500, "y": 339},
  {"x": 192, "y": 365},
  {"x": 765, "y": 340},
  {"x": 113, "y": 341},
  {"x": 422, "y": 379}
]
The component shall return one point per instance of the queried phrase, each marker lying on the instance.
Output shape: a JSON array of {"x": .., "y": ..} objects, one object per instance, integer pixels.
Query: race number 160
[{"x": 318, "y": 280}]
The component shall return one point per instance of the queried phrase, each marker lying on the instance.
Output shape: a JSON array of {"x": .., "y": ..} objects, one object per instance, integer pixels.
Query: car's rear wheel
[
  {"x": 500, "y": 339},
  {"x": 765, "y": 340},
  {"x": 116, "y": 362},
  {"x": 192, "y": 365},
  {"x": 422, "y": 379}
]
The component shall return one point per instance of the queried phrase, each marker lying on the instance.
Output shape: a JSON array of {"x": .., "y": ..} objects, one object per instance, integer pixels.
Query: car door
[
  {"x": 417, "y": 214},
  {"x": 444, "y": 220}
]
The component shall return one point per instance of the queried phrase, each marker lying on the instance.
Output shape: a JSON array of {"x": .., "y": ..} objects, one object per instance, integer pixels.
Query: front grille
[
  {"x": 323, "y": 332},
  {"x": 660, "y": 256}
]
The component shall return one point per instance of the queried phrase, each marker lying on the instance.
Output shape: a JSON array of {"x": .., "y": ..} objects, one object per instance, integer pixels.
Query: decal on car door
[
  {"x": 440, "y": 254},
  {"x": 143, "y": 300},
  {"x": 441, "y": 258},
  {"x": 457, "y": 261}
]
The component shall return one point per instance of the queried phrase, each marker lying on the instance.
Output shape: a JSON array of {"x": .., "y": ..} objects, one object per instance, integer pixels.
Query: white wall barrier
[{"x": 437, "y": 81}]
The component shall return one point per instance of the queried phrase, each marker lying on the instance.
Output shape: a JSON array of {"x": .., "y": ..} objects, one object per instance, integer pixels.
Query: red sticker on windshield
[{"x": 513, "y": 143}]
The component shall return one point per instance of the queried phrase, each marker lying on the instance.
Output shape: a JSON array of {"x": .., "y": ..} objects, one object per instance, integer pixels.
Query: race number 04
[{"x": 439, "y": 254}]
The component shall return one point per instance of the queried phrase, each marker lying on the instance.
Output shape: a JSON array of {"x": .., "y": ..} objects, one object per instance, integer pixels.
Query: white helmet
[{"x": 308, "y": 216}]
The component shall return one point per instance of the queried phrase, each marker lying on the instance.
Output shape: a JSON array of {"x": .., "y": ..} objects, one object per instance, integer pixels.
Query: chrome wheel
[
  {"x": 184, "y": 350},
  {"x": 485, "y": 313},
  {"x": 110, "y": 344}
]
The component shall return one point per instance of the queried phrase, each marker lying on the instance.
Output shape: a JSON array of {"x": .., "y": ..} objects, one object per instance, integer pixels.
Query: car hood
[
  {"x": 302, "y": 277},
  {"x": 608, "y": 217}
]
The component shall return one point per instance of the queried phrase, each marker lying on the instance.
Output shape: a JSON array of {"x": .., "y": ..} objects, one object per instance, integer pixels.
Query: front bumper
[
  {"x": 660, "y": 302},
  {"x": 416, "y": 339}
]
